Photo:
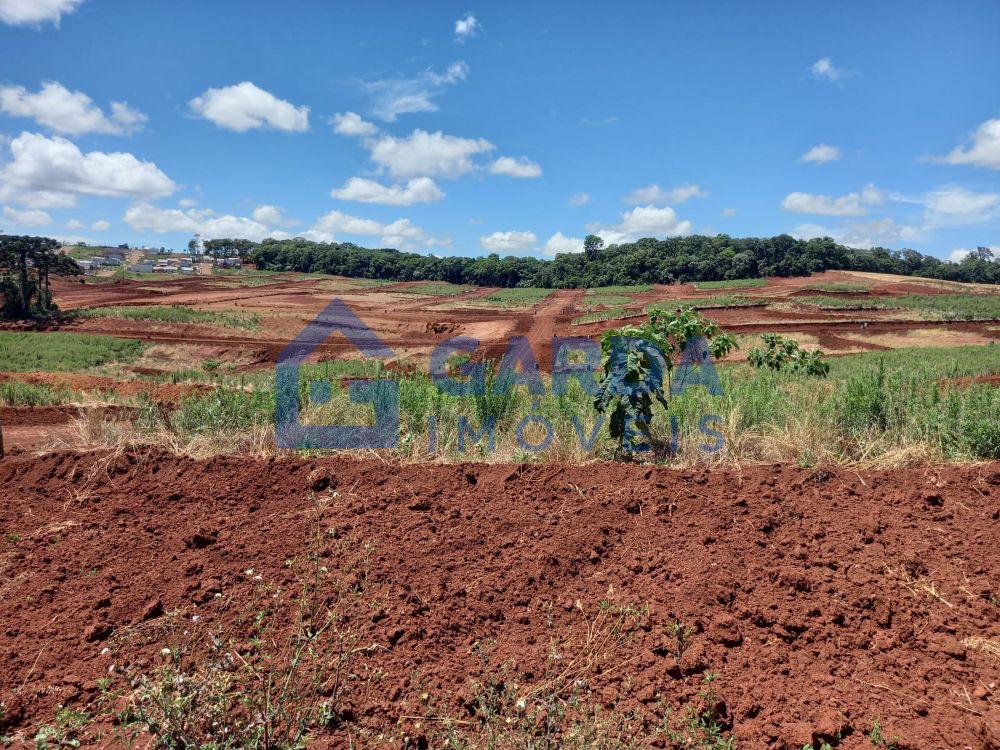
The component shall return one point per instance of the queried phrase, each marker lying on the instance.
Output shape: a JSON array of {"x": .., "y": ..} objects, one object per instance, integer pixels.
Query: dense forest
[
  {"x": 26, "y": 264},
  {"x": 647, "y": 261}
]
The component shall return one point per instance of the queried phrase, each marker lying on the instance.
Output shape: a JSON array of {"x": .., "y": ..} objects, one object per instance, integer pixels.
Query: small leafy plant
[
  {"x": 638, "y": 361},
  {"x": 780, "y": 353}
]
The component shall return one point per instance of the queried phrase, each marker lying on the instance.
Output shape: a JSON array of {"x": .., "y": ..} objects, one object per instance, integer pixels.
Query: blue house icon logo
[{"x": 383, "y": 394}]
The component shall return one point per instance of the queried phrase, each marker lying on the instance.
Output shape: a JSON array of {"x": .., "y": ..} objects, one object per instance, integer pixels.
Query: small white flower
[
  {"x": 105, "y": 651},
  {"x": 165, "y": 651},
  {"x": 196, "y": 618},
  {"x": 249, "y": 571}
]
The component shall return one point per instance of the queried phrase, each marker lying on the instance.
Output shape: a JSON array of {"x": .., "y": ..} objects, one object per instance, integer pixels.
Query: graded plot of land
[{"x": 819, "y": 605}]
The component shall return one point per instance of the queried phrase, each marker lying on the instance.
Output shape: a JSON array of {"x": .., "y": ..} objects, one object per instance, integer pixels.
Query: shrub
[{"x": 781, "y": 353}]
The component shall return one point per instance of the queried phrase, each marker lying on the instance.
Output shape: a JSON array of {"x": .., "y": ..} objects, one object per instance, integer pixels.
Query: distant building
[
  {"x": 228, "y": 263},
  {"x": 141, "y": 268}
]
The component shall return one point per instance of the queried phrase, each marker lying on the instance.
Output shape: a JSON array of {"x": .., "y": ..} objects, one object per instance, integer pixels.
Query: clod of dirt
[{"x": 201, "y": 539}]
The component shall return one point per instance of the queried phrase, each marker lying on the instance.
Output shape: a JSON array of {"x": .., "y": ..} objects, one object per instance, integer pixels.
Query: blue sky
[{"x": 509, "y": 127}]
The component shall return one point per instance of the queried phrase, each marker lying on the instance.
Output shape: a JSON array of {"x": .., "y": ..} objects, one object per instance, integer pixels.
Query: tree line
[
  {"x": 26, "y": 264},
  {"x": 646, "y": 261}
]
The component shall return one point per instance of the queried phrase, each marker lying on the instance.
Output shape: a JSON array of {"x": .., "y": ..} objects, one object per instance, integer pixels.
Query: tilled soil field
[{"x": 823, "y": 600}]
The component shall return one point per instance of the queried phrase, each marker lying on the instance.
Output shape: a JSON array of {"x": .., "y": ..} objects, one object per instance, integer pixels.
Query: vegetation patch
[
  {"x": 620, "y": 289},
  {"x": 607, "y": 300},
  {"x": 16, "y": 393},
  {"x": 517, "y": 297},
  {"x": 931, "y": 306},
  {"x": 175, "y": 314},
  {"x": 435, "y": 289},
  {"x": 838, "y": 287},
  {"x": 22, "y": 351},
  {"x": 730, "y": 284}
]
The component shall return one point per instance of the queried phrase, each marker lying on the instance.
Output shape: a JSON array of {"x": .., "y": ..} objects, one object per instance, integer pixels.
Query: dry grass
[{"x": 987, "y": 645}]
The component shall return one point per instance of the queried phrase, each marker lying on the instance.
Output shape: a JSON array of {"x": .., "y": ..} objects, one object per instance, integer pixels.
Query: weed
[
  {"x": 174, "y": 314},
  {"x": 62, "y": 352},
  {"x": 682, "y": 635},
  {"x": 878, "y": 738},
  {"x": 781, "y": 353},
  {"x": 703, "y": 724},
  {"x": 730, "y": 284},
  {"x": 64, "y": 732}
]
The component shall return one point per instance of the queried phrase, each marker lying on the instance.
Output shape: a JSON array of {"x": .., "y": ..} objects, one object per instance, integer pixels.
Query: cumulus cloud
[
  {"x": 28, "y": 219},
  {"x": 147, "y": 217},
  {"x": 826, "y": 70},
  {"x": 657, "y": 196},
  {"x": 864, "y": 234},
  {"x": 417, "y": 190},
  {"x": 34, "y": 12},
  {"x": 958, "y": 254},
  {"x": 954, "y": 206},
  {"x": 821, "y": 154},
  {"x": 351, "y": 123},
  {"x": 74, "y": 225},
  {"x": 729, "y": 212},
  {"x": 984, "y": 151},
  {"x": 465, "y": 27},
  {"x": 513, "y": 241},
  {"x": 580, "y": 199},
  {"x": 521, "y": 166},
  {"x": 392, "y": 97},
  {"x": 244, "y": 106},
  {"x": 852, "y": 204},
  {"x": 427, "y": 154},
  {"x": 101, "y": 225},
  {"x": 71, "y": 112},
  {"x": 271, "y": 216},
  {"x": 51, "y": 172},
  {"x": 401, "y": 234},
  {"x": 560, "y": 243},
  {"x": 642, "y": 221}
]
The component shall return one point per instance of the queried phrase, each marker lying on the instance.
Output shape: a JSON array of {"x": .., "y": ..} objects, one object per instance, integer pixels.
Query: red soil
[{"x": 791, "y": 578}]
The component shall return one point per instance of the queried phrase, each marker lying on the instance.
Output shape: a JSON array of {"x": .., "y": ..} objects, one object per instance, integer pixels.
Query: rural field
[
  {"x": 827, "y": 578},
  {"x": 499, "y": 375}
]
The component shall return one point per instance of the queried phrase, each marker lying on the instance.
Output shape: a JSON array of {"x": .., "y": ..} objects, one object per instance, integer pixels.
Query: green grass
[
  {"x": 16, "y": 393},
  {"x": 838, "y": 287},
  {"x": 435, "y": 289},
  {"x": 62, "y": 352},
  {"x": 615, "y": 313},
  {"x": 620, "y": 289},
  {"x": 877, "y": 406},
  {"x": 932, "y": 306},
  {"x": 730, "y": 284},
  {"x": 174, "y": 314},
  {"x": 517, "y": 297},
  {"x": 707, "y": 303},
  {"x": 607, "y": 300}
]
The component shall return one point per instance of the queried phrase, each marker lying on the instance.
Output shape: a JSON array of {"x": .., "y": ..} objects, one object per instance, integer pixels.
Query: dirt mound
[
  {"x": 821, "y": 598},
  {"x": 61, "y": 414}
]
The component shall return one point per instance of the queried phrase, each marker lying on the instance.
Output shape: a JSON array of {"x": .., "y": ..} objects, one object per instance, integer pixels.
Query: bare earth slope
[{"x": 822, "y": 599}]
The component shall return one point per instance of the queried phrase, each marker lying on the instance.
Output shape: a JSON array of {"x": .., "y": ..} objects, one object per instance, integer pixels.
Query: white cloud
[
  {"x": 864, "y": 233},
  {"x": 465, "y": 27},
  {"x": 244, "y": 106},
  {"x": 954, "y": 206},
  {"x": 271, "y": 216},
  {"x": 392, "y": 97},
  {"x": 984, "y": 150},
  {"x": 401, "y": 234},
  {"x": 417, "y": 190},
  {"x": 825, "y": 69},
  {"x": 560, "y": 243},
  {"x": 187, "y": 203},
  {"x": 25, "y": 12},
  {"x": 508, "y": 241},
  {"x": 427, "y": 154},
  {"x": 30, "y": 218},
  {"x": 72, "y": 112},
  {"x": 642, "y": 221},
  {"x": 729, "y": 212},
  {"x": 521, "y": 166},
  {"x": 101, "y": 225},
  {"x": 147, "y": 217},
  {"x": 657, "y": 196},
  {"x": 351, "y": 123},
  {"x": 580, "y": 199},
  {"x": 958, "y": 254},
  {"x": 50, "y": 172},
  {"x": 74, "y": 225},
  {"x": 852, "y": 204},
  {"x": 821, "y": 154}
]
